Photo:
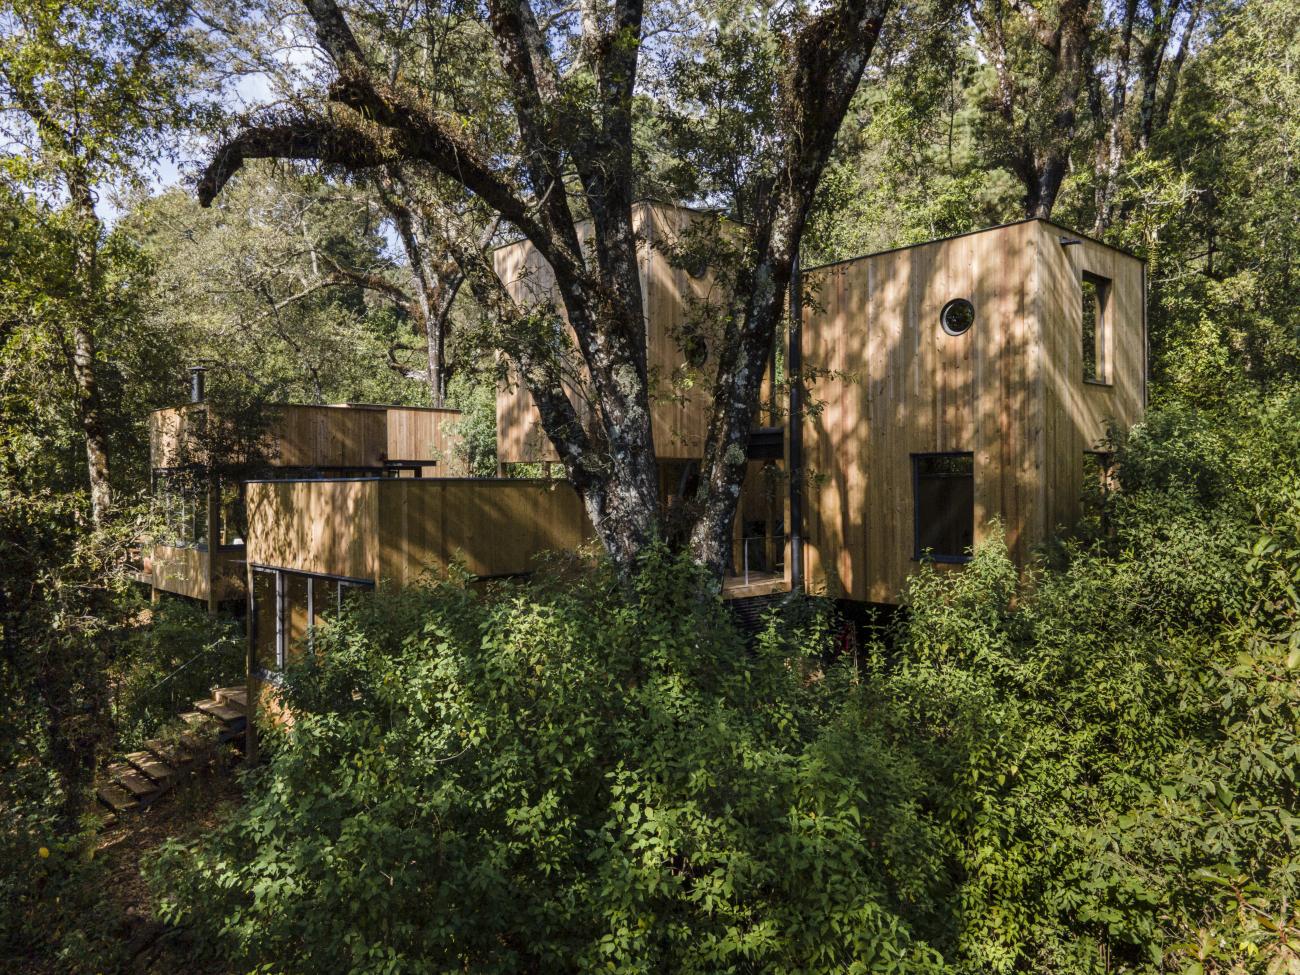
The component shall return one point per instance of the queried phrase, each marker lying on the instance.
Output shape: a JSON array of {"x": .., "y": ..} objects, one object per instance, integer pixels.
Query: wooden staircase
[{"x": 144, "y": 776}]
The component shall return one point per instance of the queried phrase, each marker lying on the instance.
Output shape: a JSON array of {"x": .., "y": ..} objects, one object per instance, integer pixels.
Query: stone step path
[{"x": 143, "y": 776}]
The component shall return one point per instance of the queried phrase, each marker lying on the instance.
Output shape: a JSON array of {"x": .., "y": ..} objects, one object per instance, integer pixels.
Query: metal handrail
[{"x": 777, "y": 540}]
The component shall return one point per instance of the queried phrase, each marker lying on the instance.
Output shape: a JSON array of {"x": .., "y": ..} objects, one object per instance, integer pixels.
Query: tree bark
[
  {"x": 826, "y": 62},
  {"x": 1110, "y": 156},
  {"x": 1039, "y": 163},
  {"x": 83, "y": 356}
]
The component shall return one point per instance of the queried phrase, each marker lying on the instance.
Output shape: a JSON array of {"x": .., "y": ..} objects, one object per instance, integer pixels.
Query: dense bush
[
  {"x": 165, "y": 665},
  {"x": 1088, "y": 768},
  {"x": 576, "y": 777}
]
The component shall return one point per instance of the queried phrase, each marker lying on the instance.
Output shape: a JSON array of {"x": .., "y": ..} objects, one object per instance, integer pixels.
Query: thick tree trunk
[
  {"x": 90, "y": 414},
  {"x": 1110, "y": 154},
  {"x": 563, "y": 127},
  {"x": 826, "y": 61},
  {"x": 83, "y": 356}
]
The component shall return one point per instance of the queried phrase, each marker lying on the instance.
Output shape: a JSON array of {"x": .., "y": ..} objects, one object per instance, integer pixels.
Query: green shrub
[
  {"x": 1124, "y": 794},
  {"x": 1090, "y": 768},
  {"x": 177, "y": 657},
  {"x": 575, "y": 777}
]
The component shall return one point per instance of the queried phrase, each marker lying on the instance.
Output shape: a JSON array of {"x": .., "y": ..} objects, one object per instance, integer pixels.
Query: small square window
[
  {"x": 1096, "y": 297},
  {"x": 943, "y": 497}
]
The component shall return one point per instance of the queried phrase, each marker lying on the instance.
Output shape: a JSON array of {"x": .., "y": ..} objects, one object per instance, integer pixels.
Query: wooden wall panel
[
  {"x": 325, "y": 526},
  {"x": 167, "y": 436},
  {"x": 901, "y": 385},
  {"x": 1077, "y": 412},
  {"x": 680, "y": 396},
  {"x": 494, "y": 527},
  {"x": 329, "y": 436},
  {"x": 183, "y": 570},
  {"x": 397, "y": 528},
  {"x": 679, "y": 410},
  {"x": 338, "y": 436},
  {"x": 1011, "y": 391},
  {"x": 426, "y": 434}
]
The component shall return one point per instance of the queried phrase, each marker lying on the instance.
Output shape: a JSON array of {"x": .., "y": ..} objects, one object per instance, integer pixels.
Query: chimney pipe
[{"x": 196, "y": 383}]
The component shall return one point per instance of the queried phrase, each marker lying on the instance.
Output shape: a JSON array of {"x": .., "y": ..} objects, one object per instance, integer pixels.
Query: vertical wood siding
[{"x": 1010, "y": 390}]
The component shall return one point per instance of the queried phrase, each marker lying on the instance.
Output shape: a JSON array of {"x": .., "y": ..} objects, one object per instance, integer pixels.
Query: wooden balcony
[{"x": 183, "y": 570}]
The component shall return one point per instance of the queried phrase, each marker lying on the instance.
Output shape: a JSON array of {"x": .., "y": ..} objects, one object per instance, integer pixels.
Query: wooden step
[
  {"x": 202, "y": 731},
  {"x": 116, "y": 799},
  {"x": 231, "y": 720},
  {"x": 173, "y": 753},
  {"x": 153, "y": 768},
  {"x": 133, "y": 782},
  {"x": 224, "y": 713},
  {"x": 236, "y": 697},
  {"x": 200, "y": 744}
]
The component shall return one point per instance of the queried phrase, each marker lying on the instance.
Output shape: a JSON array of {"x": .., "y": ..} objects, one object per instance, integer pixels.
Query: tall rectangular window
[
  {"x": 287, "y": 606},
  {"x": 943, "y": 497},
  {"x": 1096, "y": 295},
  {"x": 296, "y": 617},
  {"x": 266, "y": 608}
]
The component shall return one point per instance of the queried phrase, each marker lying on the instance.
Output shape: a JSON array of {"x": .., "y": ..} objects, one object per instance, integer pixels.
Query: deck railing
[{"x": 754, "y": 555}]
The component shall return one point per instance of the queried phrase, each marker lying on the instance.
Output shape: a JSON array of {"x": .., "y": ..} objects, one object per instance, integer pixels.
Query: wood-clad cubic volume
[
  {"x": 996, "y": 412},
  {"x": 899, "y": 393},
  {"x": 301, "y": 441},
  {"x": 310, "y": 542},
  {"x": 335, "y": 437},
  {"x": 396, "y": 530}
]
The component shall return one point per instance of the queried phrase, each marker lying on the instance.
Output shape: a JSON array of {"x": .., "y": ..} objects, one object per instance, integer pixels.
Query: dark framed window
[
  {"x": 1095, "y": 293},
  {"x": 957, "y": 316},
  {"x": 943, "y": 506},
  {"x": 696, "y": 350}
]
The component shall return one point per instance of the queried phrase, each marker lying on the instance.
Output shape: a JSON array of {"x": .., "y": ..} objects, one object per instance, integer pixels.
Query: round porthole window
[
  {"x": 697, "y": 266},
  {"x": 696, "y": 350},
  {"x": 957, "y": 316}
]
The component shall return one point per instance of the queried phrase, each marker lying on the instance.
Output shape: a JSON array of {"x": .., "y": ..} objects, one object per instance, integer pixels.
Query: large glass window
[
  {"x": 296, "y": 616},
  {"x": 287, "y": 606},
  {"x": 324, "y": 600},
  {"x": 943, "y": 488},
  {"x": 265, "y": 620}
]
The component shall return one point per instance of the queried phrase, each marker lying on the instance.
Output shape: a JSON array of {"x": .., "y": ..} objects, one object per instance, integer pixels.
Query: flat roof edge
[
  {"x": 971, "y": 233},
  {"x": 378, "y": 479}
]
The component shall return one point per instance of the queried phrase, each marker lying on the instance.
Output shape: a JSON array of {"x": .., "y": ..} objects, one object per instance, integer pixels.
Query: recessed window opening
[
  {"x": 1095, "y": 296},
  {"x": 943, "y": 496},
  {"x": 957, "y": 316},
  {"x": 696, "y": 350}
]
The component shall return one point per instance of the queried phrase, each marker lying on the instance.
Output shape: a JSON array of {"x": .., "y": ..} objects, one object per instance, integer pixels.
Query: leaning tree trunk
[{"x": 827, "y": 58}]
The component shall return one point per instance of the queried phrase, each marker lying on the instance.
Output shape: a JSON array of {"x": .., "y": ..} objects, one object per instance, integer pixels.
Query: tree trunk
[
  {"x": 84, "y": 358},
  {"x": 1110, "y": 156},
  {"x": 567, "y": 130}
]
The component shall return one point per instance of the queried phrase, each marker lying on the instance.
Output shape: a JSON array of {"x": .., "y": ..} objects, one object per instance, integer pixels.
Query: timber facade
[{"x": 951, "y": 387}]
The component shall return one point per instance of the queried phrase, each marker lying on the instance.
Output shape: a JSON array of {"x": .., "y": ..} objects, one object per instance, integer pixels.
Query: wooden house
[
  {"x": 950, "y": 386},
  {"x": 963, "y": 382}
]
